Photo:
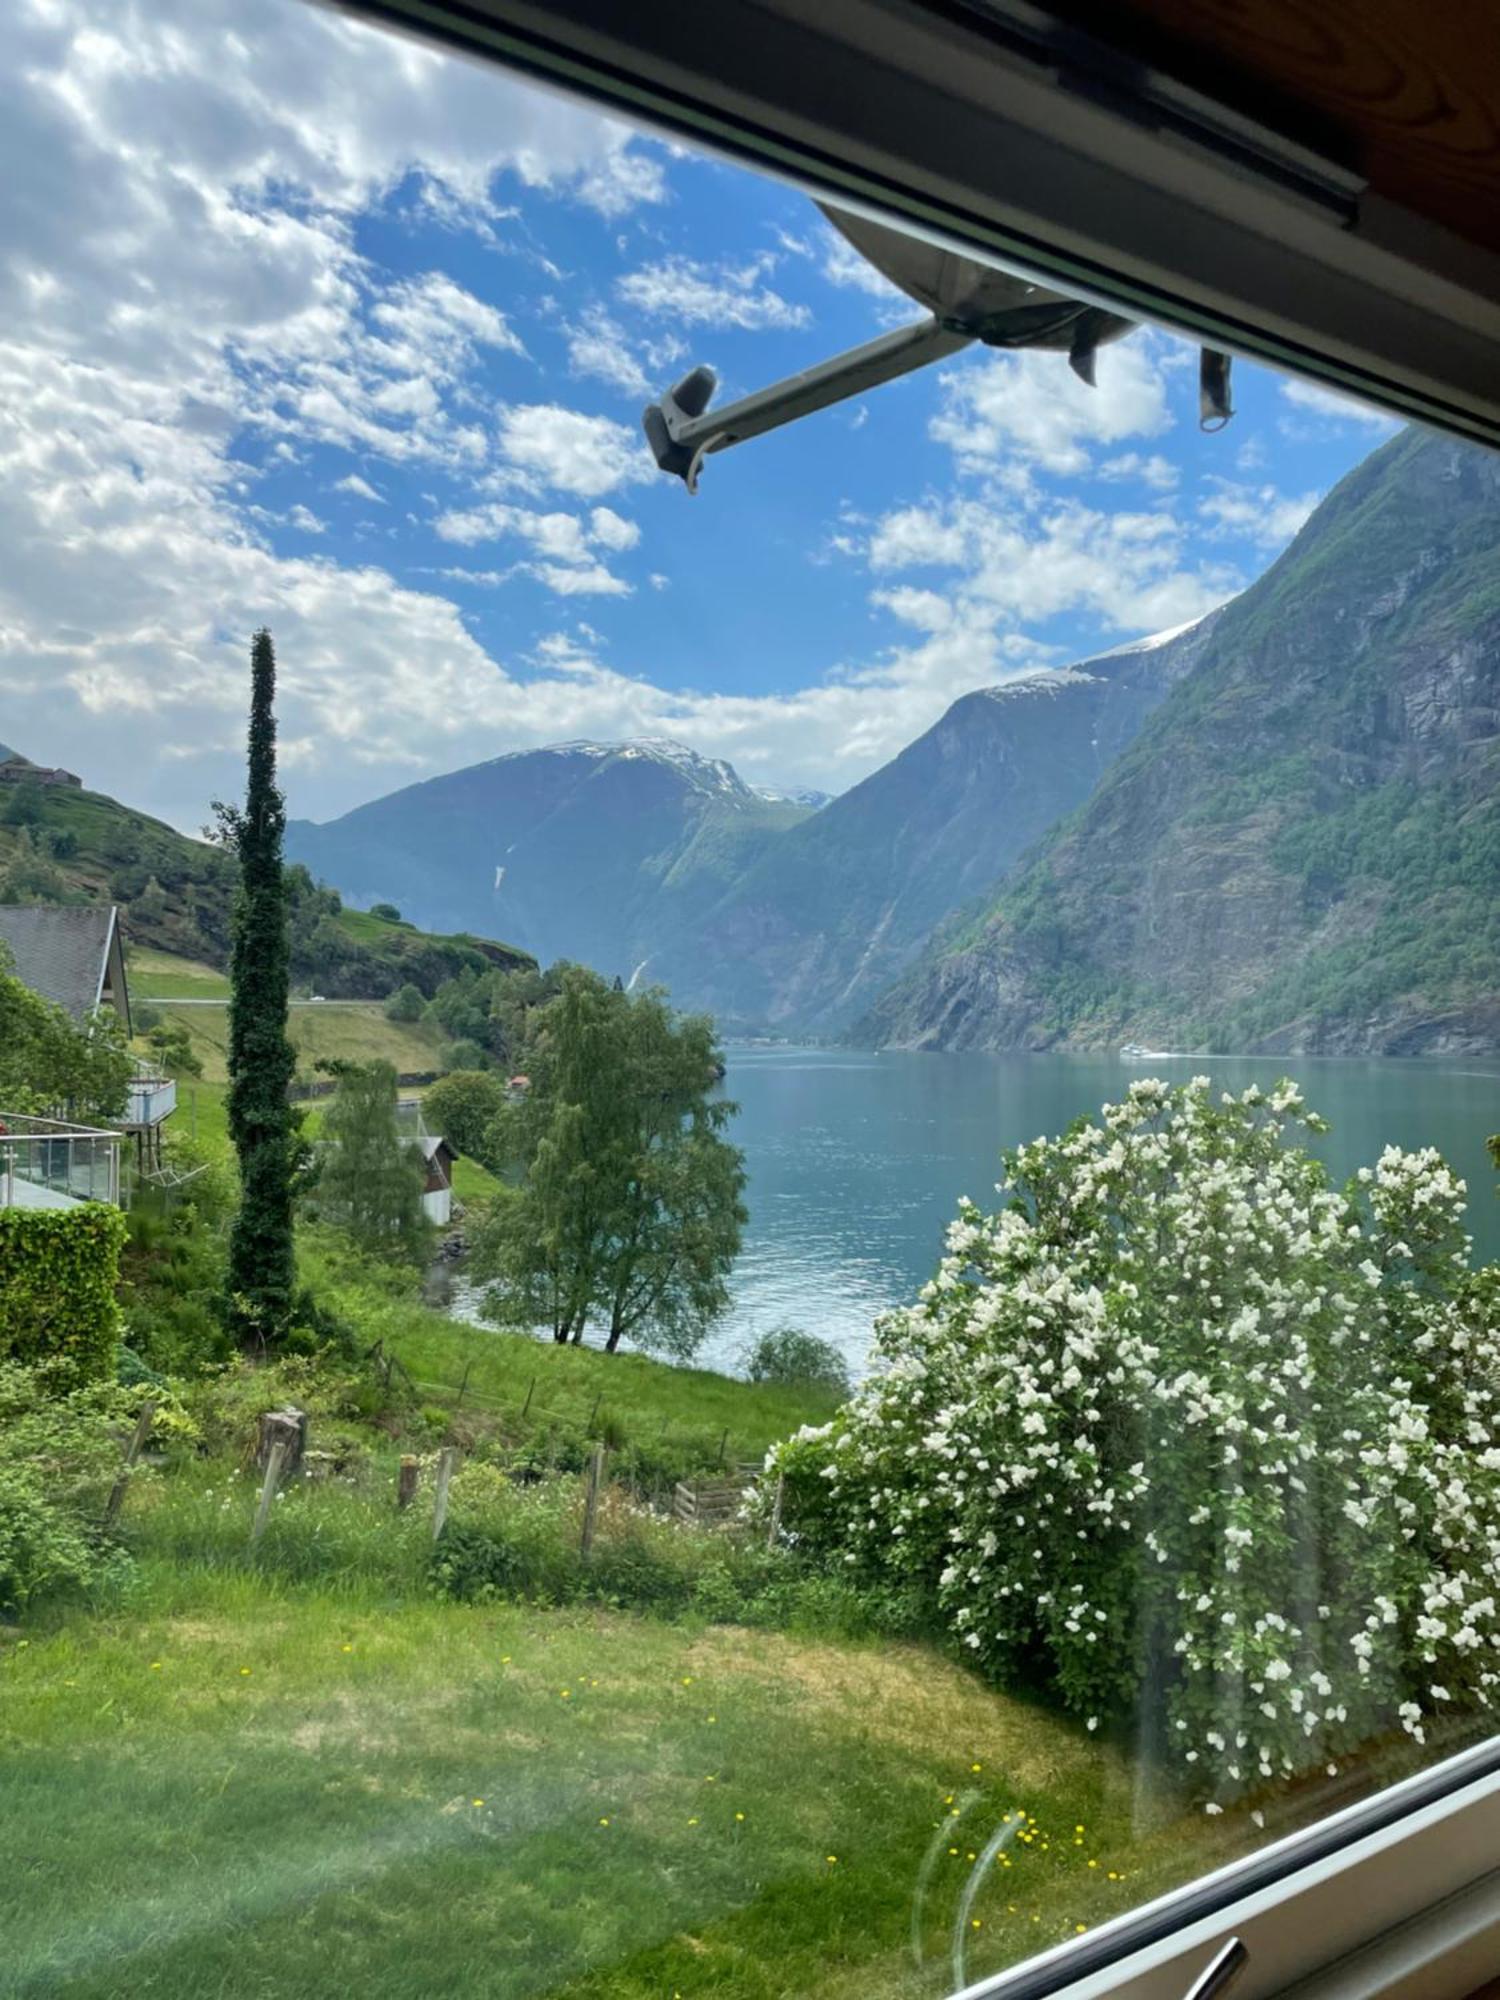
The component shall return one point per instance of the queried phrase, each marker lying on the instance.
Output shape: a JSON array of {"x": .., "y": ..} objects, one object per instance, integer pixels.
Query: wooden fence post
[
  {"x": 775, "y": 1528},
  {"x": 529, "y": 1394},
  {"x": 591, "y": 1501},
  {"x": 459, "y": 1399},
  {"x": 268, "y": 1491},
  {"x": 406, "y": 1481},
  {"x": 595, "y": 1411},
  {"x": 447, "y": 1457},
  {"x": 723, "y": 1446},
  {"x": 287, "y": 1427},
  {"x": 132, "y": 1452}
]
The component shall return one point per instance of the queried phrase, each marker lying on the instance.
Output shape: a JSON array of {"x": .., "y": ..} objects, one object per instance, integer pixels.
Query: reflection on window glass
[{"x": 771, "y": 1270}]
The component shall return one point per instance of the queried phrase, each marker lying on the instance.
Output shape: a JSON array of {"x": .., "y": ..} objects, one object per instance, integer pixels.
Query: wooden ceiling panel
[{"x": 1408, "y": 90}]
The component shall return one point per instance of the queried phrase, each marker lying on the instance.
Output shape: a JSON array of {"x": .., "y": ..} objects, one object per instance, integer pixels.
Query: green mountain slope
[
  {"x": 61, "y": 845},
  {"x": 833, "y": 910},
  {"x": 1301, "y": 850}
]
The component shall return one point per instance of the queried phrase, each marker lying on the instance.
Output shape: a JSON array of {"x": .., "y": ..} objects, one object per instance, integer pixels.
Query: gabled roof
[{"x": 63, "y": 954}]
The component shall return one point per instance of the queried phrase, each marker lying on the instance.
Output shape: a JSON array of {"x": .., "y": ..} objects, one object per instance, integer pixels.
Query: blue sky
[{"x": 305, "y": 325}]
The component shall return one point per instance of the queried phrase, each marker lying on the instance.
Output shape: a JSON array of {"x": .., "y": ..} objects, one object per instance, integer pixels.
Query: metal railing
[
  {"x": 47, "y": 1163},
  {"x": 152, "y": 1098}
]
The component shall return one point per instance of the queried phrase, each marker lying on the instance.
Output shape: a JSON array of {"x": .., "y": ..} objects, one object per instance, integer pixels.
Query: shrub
[
  {"x": 788, "y": 1355},
  {"x": 463, "y": 1056},
  {"x": 59, "y": 1456},
  {"x": 58, "y": 1271},
  {"x": 1184, "y": 1431},
  {"x": 226, "y": 1403},
  {"x": 405, "y": 1004}
]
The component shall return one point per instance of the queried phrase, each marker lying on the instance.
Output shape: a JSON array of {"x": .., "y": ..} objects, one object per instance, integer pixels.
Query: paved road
[{"x": 169, "y": 1000}]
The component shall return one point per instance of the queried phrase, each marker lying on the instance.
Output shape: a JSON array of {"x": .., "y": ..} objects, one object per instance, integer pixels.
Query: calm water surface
[{"x": 856, "y": 1161}]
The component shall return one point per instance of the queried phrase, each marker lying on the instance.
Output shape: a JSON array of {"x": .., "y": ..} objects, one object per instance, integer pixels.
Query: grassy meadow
[
  {"x": 348, "y": 1030},
  {"x": 237, "y": 1783}
]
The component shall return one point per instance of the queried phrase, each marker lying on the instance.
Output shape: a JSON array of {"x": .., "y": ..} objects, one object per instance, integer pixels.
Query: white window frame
[{"x": 975, "y": 124}]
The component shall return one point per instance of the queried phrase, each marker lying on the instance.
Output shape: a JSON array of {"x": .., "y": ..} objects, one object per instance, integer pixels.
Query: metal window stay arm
[{"x": 682, "y": 430}]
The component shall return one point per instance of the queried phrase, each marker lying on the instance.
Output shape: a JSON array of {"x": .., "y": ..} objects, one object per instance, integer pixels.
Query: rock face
[
  {"x": 587, "y": 851},
  {"x": 1301, "y": 849},
  {"x": 839, "y": 905}
]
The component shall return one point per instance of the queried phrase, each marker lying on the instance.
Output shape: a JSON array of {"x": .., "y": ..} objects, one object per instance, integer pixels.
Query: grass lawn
[
  {"x": 158, "y": 975},
  {"x": 649, "y": 1399},
  {"x": 238, "y": 1786},
  {"x": 355, "y": 1030}
]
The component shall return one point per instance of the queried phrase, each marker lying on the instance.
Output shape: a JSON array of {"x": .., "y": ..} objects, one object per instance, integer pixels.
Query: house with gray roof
[
  {"x": 72, "y": 956},
  {"x": 75, "y": 957}
]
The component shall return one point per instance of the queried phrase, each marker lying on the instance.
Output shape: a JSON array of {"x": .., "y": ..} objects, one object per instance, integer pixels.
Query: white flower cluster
[{"x": 1184, "y": 1430}]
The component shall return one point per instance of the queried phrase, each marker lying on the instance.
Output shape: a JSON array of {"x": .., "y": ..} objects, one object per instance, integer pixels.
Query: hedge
[{"x": 58, "y": 1272}]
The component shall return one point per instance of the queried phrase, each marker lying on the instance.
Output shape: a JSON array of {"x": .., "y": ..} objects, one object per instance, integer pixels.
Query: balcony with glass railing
[
  {"x": 49, "y": 1163},
  {"x": 153, "y": 1097}
]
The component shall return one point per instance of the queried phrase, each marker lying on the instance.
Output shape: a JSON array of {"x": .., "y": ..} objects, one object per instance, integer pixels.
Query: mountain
[
  {"x": 834, "y": 909},
  {"x": 798, "y": 796},
  {"x": 176, "y": 895},
  {"x": 592, "y": 851},
  {"x": 1301, "y": 849}
]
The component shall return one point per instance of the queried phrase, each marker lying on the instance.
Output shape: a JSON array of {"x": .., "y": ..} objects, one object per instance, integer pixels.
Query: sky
[{"x": 304, "y": 325}]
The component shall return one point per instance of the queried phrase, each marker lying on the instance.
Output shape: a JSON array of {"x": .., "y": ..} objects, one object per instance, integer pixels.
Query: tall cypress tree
[{"x": 263, "y": 1126}]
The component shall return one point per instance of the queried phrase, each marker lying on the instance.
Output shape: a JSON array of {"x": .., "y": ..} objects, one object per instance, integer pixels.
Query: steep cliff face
[
  {"x": 836, "y": 907},
  {"x": 1301, "y": 849}
]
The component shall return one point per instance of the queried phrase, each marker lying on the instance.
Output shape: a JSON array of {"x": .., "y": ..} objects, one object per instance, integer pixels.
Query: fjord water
[{"x": 857, "y": 1160}]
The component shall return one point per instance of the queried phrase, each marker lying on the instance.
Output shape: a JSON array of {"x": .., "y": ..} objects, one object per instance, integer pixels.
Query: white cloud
[
  {"x": 611, "y": 530},
  {"x": 547, "y": 445},
  {"x": 1132, "y": 571},
  {"x": 1259, "y": 515},
  {"x": 1337, "y": 409},
  {"x": 360, "y": 488},
  {"x": 566, "y": 547},
  {"x": 305, "y": 519},
  {"x": 1030, "y": 407},
  {"x": 686, "y": 293},
  {"x": 598, "y": 346},
  {"x": 1152, "y": 470},
  {"x": 592, "y": 580}
]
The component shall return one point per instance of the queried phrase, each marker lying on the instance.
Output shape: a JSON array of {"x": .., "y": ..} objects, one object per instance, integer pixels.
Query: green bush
[
  {"x": 59, "y": 1457},
  {"x": 226, "y": 1403},
  {"x": 786, "y": 1354},
  {"x": 58, "y": 1272},
  {"x": 406, "y": 1003}
]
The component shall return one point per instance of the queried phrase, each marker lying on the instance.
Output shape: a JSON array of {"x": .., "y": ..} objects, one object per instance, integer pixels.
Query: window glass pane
[{"x": 826, "y": 1308}]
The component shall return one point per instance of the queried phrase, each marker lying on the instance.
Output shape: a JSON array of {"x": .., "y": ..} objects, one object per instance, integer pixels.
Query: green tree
[
  {"x": 629, "y": 1207},
  {"x": 172, "y": 1046},
  {"x": 463, "y": 1108},
  {"x": 49, "y": 1063},
  {"x": 370, "y": 1178},
  {"x": 405, "y": 1004},
  {"x": 387, "y": 912},
  {"x": 264, "y": 1129}
]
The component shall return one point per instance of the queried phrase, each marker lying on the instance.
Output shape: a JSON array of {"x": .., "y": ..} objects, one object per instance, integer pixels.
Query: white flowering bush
[{"x": 1186, "y": 1435}]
